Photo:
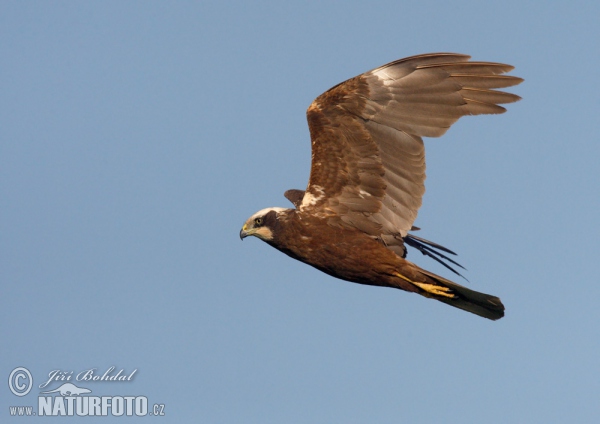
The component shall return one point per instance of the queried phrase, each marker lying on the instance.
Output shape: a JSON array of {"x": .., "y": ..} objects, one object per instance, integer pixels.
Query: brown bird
[{"x": 368, "y": 172}]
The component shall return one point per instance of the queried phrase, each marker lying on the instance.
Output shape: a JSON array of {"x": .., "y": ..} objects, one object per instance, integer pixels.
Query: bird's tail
[{"x": 453, "y": 294}]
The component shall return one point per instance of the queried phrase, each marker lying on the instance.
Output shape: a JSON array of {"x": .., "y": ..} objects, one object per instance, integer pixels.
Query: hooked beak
[{"x": 244, "y": 232}]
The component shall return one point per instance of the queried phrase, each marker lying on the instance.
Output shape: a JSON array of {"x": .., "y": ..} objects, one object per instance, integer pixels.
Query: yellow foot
[
  {"x": 431, "y": 288},
  {"x": 436, "y": 290}
]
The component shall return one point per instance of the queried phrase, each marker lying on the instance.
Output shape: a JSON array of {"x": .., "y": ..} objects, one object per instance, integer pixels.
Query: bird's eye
[{"x": 258, "y": 221}]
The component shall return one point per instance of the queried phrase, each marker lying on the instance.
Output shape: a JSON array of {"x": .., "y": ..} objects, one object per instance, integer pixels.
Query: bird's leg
[
  {"x": 430, "y": 288},
  {"x": 435, "y": 289}
]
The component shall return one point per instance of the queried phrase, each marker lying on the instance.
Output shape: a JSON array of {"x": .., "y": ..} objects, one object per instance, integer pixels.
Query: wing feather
[{"x": 368, "y": 157}]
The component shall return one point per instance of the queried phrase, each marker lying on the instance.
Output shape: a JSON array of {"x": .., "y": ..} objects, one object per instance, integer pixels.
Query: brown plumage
[{"x": 368, "y": 172}]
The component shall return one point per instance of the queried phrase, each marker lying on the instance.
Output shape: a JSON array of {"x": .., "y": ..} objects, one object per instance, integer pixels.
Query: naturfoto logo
[{"x": 71, "y": 398}]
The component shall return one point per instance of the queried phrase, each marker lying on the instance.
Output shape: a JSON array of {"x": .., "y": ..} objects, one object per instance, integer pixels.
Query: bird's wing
[
  {"x": 368, "y": 159},
  {"x": 295, "y": 196}
]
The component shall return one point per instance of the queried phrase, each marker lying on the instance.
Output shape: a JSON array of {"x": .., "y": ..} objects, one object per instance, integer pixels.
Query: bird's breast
[{"x": 343, "y": 253}]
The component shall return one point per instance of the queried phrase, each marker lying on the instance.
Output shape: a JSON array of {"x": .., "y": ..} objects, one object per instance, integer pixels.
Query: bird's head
[{"x": 262, "y": 224}]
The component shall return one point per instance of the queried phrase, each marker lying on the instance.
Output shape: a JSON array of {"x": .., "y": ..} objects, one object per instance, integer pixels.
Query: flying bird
[{"x": 368, "y": 172}]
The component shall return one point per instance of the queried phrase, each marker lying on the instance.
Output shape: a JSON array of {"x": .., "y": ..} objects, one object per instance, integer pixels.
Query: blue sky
[{"x": 137, "y": 137}]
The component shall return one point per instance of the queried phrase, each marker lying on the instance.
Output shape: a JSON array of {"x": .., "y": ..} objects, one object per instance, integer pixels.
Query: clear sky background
[{"x": 137, "y": 137}]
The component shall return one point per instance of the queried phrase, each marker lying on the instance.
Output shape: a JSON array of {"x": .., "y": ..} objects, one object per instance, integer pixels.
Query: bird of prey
[{"x": 368, "y": 172}]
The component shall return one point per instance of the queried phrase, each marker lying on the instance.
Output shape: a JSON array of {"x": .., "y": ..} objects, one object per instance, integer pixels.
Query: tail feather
[
  {"x": 429, "y": 248},
  {"x": 481, "y": 304}
]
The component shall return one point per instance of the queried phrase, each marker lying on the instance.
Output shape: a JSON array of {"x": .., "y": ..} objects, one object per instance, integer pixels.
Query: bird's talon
[{"x": 436, "y": 290}]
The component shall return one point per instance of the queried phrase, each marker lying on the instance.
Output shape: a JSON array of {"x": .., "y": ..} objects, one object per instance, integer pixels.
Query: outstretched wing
[{"x": 368, "y": 159}]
